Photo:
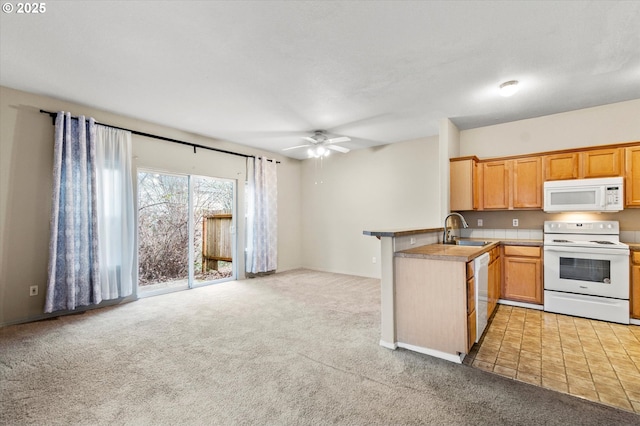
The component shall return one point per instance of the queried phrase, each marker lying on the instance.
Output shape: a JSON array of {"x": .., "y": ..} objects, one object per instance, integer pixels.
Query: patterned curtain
[
  {"x": 91, "y": 247},
  {"x": 262, "y": 217},
  {"x": 73, "y": 246}
]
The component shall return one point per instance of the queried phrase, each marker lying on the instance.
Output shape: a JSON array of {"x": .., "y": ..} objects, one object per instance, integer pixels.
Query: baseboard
[
  {"x": 79, "y": 310},
  {"x": 521, "y": 304},
  {"x": 388, "y": 345},
  {"x": 634, "y": 321},
  {"x": 432, "y": 352}
]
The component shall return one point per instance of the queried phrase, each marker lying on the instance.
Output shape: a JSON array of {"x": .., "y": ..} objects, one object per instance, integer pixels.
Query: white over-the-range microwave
[{"x": 584, "y": 195}]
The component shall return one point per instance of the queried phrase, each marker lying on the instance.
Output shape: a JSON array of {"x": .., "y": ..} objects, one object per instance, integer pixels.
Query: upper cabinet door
[
  {"x": 463, "y": 184},
  {"x": 632, "y": 176},
  {"x": 561, "y": 166},
  {"x": 495, "y": 185},
  {"x": 602, "y": 163},
  {"x": 527, "y": 183}
]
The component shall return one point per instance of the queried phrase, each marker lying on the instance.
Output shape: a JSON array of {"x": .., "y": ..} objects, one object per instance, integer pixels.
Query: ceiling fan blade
[
  {"x": 312, "y": 140},
  {"x": 295, "y": 147},
  {"x": 338, "y": 148},
  {"x": 339, "y": 139}
]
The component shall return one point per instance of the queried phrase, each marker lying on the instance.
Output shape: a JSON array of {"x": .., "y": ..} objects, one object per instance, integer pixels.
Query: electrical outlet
[
  {"x": 33, "y": 290},
  {"x": 480, "y": 222},
  {"x": 412, "y": 240},
  {"x": 373, "y": 260},
  {"x": 515, "y": 222}
]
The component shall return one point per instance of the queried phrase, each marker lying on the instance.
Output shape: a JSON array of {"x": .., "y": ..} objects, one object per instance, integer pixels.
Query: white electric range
[{"x": 586, "y": 270}]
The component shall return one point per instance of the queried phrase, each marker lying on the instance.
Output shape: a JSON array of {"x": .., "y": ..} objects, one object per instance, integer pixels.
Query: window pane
[
  {"x": 213, "y": 220},
  {"x": 163, "y": 237}
]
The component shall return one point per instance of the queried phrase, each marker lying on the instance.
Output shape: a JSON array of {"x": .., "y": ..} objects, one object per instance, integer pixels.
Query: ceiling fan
[{"x": 320, "y": 144}]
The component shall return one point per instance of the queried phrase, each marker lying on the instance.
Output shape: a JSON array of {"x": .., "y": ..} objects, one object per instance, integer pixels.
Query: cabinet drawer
[
  {"x": 471, "y": 295},
  {"x": 523, "y": 251},
  {"x": 635, "y": 257},
  {"x": 494, "y": 254},
  {"x": 470, "y": 270}
]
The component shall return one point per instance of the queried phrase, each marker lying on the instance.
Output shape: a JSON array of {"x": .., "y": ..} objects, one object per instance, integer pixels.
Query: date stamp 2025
[{"x": 25, "y": 8}]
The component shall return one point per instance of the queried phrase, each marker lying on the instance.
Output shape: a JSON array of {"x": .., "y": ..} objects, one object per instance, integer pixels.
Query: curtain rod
[{"x": 53, "y": 116}]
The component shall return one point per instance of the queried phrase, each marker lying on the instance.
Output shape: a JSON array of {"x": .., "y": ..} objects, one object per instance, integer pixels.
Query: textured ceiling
[{"x": 266, "y": 73}]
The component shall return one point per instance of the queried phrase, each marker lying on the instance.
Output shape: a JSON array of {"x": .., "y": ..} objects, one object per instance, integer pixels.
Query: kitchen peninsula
[{"x": 428, "y": 292}]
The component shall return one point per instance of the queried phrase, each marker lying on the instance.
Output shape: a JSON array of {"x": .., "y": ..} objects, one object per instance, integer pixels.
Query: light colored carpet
[{"x": 299, "y": 347}]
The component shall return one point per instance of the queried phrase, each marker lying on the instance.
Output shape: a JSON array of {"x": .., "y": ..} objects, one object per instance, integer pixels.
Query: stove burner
[
  {"x": 562, "y": 241},
  {"x": 602, "y": 242}
]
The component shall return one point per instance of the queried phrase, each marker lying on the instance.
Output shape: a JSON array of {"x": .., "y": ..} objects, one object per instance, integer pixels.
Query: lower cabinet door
[
  {"x": 522, "y": 279},
  {"x": 471, "y": 328},
  {"x": 635, "y": 289}
]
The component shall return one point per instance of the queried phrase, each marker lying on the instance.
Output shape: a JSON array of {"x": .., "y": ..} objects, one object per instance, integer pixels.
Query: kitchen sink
[{"x": 472, "y": 243}]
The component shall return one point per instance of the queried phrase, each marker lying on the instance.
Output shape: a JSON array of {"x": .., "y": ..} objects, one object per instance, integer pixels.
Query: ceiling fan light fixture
[
  {"x": 508, "y": 88},
  {"x": 318, "y": 151}
]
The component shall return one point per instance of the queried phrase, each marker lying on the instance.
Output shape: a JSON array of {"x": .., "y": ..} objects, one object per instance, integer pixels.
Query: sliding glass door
[
  {"x": 186, "y": 232},
  {"x": 214, "y": 230}
]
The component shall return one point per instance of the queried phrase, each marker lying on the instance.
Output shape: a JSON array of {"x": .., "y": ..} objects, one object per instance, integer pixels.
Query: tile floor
[{"x": 596, "y": 360}]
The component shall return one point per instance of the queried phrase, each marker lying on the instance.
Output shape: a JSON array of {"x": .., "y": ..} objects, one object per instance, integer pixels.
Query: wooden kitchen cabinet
[
  {"x": 601, "y": 163},
  {"x": 527, "y": 183},
  {"x": 494, "y": 278},
  {"x": 635, "y": 285},
  {"x": 592, "y": 163},
  {"x": 561, "y": 166},
  {"x": 463, "y": 184},
  {"x": 516, "y": 182},
  {"x": 495, "y": 185},
  {"x": 512, "y": 184},
  {"x": 522, "y": 274},
  {"x": 471, "y": 306},
  {"x": 632, "y": 176}
]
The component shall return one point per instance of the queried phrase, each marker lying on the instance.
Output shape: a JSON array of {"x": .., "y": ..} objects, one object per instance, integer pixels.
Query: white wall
[
  {"x": 26, "y": 152},
  {"x": 602, "y": 125},
  {"x": 387, "y": 187}
]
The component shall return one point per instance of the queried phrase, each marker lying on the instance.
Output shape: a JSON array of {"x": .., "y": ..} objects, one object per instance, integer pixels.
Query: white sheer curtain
[
  {"x": 115, "y": 208},
  {"x": 262, "y": 217}
]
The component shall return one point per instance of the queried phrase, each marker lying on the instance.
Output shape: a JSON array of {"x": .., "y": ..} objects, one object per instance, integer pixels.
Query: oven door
[{"x": 592, "y": 271}]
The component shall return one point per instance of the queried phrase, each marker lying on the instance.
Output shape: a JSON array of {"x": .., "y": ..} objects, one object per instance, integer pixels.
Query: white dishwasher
[{"x": 481, "y": 274}]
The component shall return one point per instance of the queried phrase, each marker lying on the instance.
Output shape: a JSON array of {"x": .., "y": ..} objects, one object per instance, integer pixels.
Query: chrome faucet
[{"x": 446, "y": 239}]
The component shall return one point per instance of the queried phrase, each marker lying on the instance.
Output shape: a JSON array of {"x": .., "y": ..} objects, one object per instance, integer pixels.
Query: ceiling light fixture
[
  {"x": 318, "y": 151},
  {"x": 508, "y": 88}
]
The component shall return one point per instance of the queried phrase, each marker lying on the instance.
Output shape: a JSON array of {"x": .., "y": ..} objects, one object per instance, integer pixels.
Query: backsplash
[
  {"x": 510, "y": 234},
  {"x": 531, "y": 222},
  {"x": 630, "y": 236},
  {"x": 531, "y": 234},
  {"x": 405, "y": 242}
]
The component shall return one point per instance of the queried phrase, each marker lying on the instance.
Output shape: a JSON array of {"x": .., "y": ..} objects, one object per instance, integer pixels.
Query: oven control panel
[{"x": 586, "y": 227}]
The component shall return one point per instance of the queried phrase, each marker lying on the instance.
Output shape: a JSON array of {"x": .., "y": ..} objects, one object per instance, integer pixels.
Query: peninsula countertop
[
  {"x": 459, "y": 253},
  {"x": 401, "y": 232}
]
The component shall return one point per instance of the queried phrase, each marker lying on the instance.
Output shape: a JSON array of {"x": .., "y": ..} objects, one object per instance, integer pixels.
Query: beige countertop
[
  {"x": 457, "y": 253},
  {"x": 633, "y": 246},
  {"x": 401, "y": 232}
]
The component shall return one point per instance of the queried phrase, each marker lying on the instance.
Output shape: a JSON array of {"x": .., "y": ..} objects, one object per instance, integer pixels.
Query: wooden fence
[{"x": 216, "y": 239}]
